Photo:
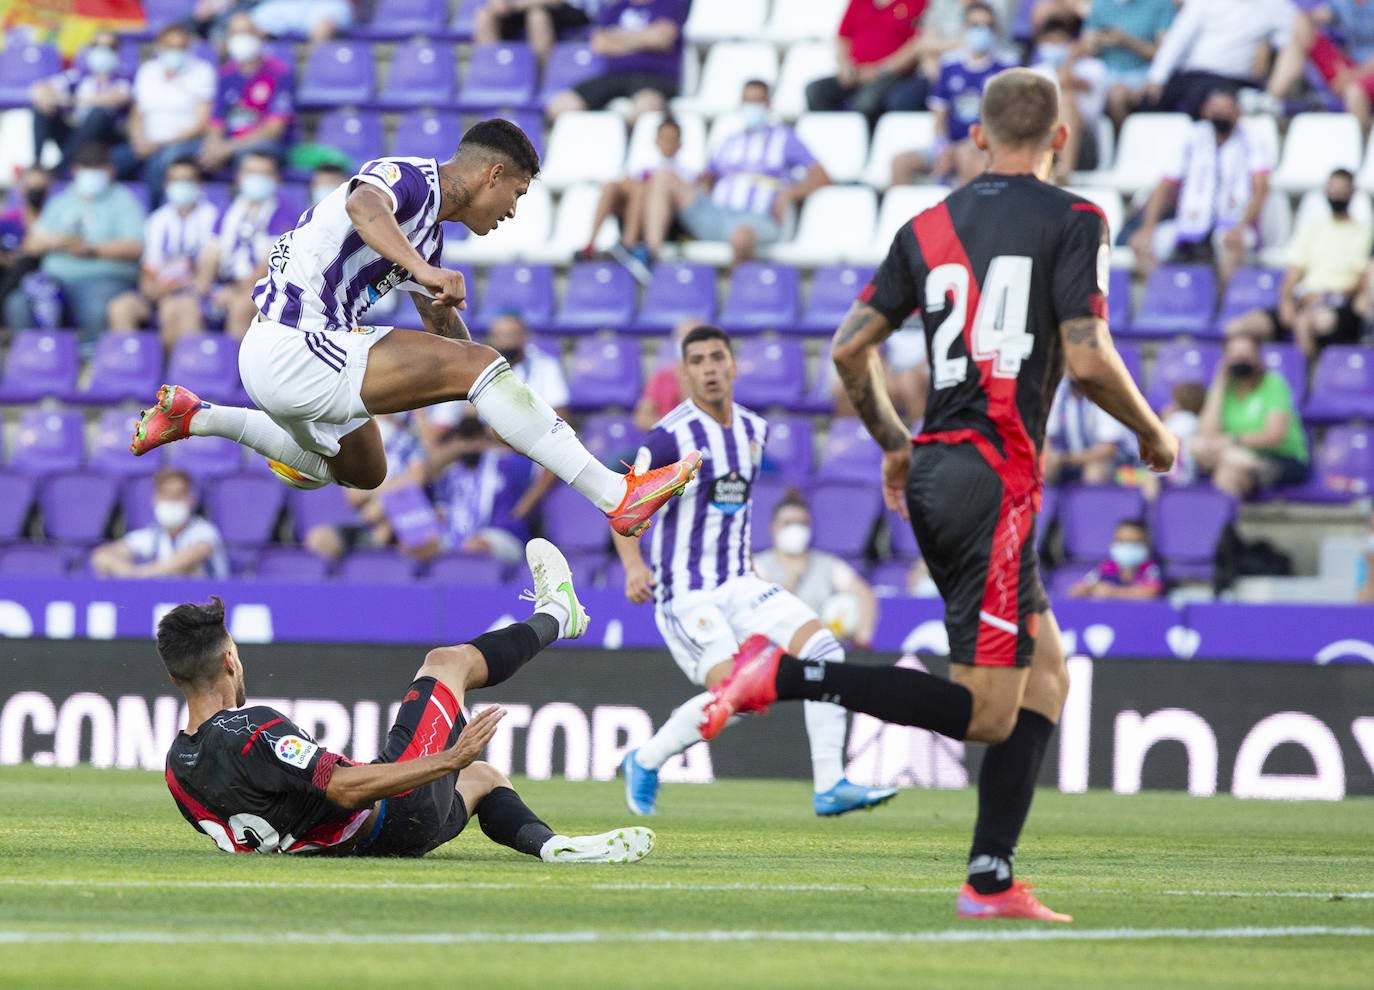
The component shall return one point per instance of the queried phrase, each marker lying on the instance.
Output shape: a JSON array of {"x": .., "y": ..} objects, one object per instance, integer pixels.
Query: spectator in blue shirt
[
  {"x": 959, "y": 91},
  {"x": 86, "y": 103},
  {"x": 1125, "y": 34}
]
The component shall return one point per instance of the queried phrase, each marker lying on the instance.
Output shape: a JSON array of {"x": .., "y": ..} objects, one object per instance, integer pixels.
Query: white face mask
[
  {"x": 793, "y": 538},
  {"x": 90, "y": 182},
  {"x": 320, "y": 192},
  {"x": 171, "y": 514},
  {"x": 1129, "y": 555},
  {"x": 257, "y": 187},
  {"x": 753, "y": 115},
  {"x": 102, "y": 60},
  {"x": 243, "y": 47},
  {"x": 181, "y": 193},
  {"x": 172, "y": 59}
]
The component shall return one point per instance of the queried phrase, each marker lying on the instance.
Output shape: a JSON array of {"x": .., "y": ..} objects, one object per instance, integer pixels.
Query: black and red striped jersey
[
  {"x": 994, "y": 270},
  {"x": 254, "y": 782}
]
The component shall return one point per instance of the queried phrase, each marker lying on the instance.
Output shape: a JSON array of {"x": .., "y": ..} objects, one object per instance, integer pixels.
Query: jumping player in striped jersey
[
  {"x": 700, "y": 576},
  {"x": 318, "y": 376}
]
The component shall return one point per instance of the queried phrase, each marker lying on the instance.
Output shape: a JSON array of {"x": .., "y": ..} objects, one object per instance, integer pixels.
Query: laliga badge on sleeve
[{"x": 295, "y": 751}]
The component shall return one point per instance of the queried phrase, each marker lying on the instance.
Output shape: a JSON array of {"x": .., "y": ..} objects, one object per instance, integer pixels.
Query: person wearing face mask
[
  {"x": 254, "y": 106},
  {"x": 178, "y": 543},
  {"x": 1082, "y": 78},
  {"x": 1364, "y": 568},
  {"x": 1216, "y": 182},
  {"x": 1129, "y": 573},
  {"x": 1318, "y": 301},
  {"x": 955, "y": 96},
  {"x": 87, "y": 103},
  {"x": 89, "y": 238},
  {"x": 478, "y": 489},
  {"x": 1250, "y": 437},
  {"x": 15, "y": 222},
  {"x": 879, "y": 46},
  {"x": 324, "y": 179},
  {"x": 814, "y": 576},
  {"x": 745, "y": 196}
]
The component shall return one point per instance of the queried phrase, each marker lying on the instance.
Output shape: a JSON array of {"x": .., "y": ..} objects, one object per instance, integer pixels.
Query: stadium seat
[
  {"x": 528, "y": 119},
  {"x": 843, "y": 514},
  {"x": 376, "y": 565},
  {"x": 1134, "y": 361},
  {"x": 765, "y": 494},
  {"x": 771, "y": 373},
  {"x": 813, "y": 20},
  {"x": 761, "y": 296},
  {"x": 899, "y": 131},
  {"x": 790, "y": 451},
  {"x": 1047, "y": 518},
  {"x": 1249, "y": 288},
  {"x": 1342, "y": 465},
  {"x": 1342, "y": 385},
  {"x": 48, "y": 440},
  {"x": 1177, "y": 299},
  {"x": 17, "y": 491},
  {"x": 1108, "y": 200},
  {"x": 1181, "y": 362},
  {"x": 1288, "y": 361},
  {"x": 597, "y": 294},
  {"x": 572, "y": 223},
  {"x": 1185, "y": 524},
  {"x": 499, "y": 75},
  {"x": 803, "y": 63},
  {"x": 729, "y": 65},
  {"x": 833, "y": 289},
  {"x": 677, "y": 290},
  {"x": 722, "y": 20},
  {"x": 357, "y": 133},
  {"x": 126, "y": 366},
  {"x": 584, "y": 146},
  {"x": 693, "y": 130},
  {"x": 426, "y": 133},
  {"x": 526, "y": 290},
  {"x": 326, "y": 506},
  {"x": 34, "y": 560},
  {"x": 295, "y": 564},
  {"x": 839, "y": 141},
  {"x": 604, "y": 371},
  {"x": 207, "y": 364},
  {"x": 22, "y": 65},
  {"x": 207, "y": 457},
  {"x": 1088, "y": 514},
  {"x": 611, "y": 438},
  {"x": 1119, "y": 299},
  {"x": 889, "y": 578},
  {"x": 835, "y": 222},
  {"x": 902, "y": 540},
  {"x": 531, "y": 226},
  {"x": 245, "y": 507},
  {"x": 40, "y": 363},
  {"x": 337, "y": 73},
  {"x": 572, "y": 523},
  {"x": 397, "y": 19},
  {"x": 849, "y": 453},
  {"x": 421, "y": 74},
  {"x": 110, "y": 446},
  {"x": 464, "y": 12},
  {"x": 1065, "y": 576},
  {"x": 569, "y": 63},
  {"x": 76, "y": 506},
  {"x": 900, "y": 204},
  {"x": 1146, "y": 146},
  {"x": 465, "y": 570},
  {"x": 1315, "y": 144}
]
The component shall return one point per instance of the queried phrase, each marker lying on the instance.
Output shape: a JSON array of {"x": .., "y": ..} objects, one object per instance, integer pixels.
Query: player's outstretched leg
[
  {"x": 621, "y": 845},
  {"x": 640, "y": 766},
  {"x": 553, "y": 587}
]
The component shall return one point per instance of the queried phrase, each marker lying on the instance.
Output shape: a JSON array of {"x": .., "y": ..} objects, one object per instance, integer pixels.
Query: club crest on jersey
[
  {"x": 295, "y": 751},
  {"x": 729, "y": 493},
  {"x": 388, "y": 172}
]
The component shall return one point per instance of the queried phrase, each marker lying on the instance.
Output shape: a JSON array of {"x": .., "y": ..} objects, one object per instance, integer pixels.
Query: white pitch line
[
  {"x": 12, "y": 937},
  {"x": 1347, "y": 895}
]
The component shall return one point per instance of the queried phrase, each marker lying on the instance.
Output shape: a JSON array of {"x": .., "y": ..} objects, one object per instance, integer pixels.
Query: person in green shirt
[{"x": 1249, "y": 435}]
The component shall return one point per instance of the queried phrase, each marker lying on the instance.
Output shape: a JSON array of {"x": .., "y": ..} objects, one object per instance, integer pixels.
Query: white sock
[
  {"x": 255, "y": 430},
  {"x": 682, "y": 729},
  {"x": 524, "y": 420},
  {"x": 826, "y": 724}
]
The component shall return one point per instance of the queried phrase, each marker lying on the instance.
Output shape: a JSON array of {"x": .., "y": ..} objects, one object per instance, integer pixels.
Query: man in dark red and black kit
[{"x": 1009, "y": 275}]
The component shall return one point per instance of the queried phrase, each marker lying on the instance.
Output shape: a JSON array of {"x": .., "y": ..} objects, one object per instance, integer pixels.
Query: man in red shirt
[{"x": 876, "y": 53}]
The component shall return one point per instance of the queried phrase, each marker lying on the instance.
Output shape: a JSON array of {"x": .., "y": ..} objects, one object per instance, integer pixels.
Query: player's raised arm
[
  {"x": 440, "y": 320},
  {"x": 860, "y": 366},
  {"x": 371, "y": 211}
]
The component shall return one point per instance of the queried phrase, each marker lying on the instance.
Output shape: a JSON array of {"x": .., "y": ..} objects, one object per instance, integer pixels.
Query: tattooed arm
[
  {"x": 371, "y": 213},
  {"x": 442, "y": 321},
  {"x": 855, "y": 353}
]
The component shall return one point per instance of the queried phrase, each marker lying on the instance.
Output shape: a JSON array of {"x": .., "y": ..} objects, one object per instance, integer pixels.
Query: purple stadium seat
[
  {"x": 294, "y": 564},
  {"x": 207, "y": 364},
  {"x": 572, "y": 523},
  {"x": 110, "y": 448},
  {"x": 1064, "y": 577},
  {"x": 327, "y": 506},
  {"x": 76, "y": 506},
  {"x": 1119, "y": 297},
  {"x": 404, "y": 19},
  {"x": 467, "y": 571},
  {"x": 771, "y": 373},
  {"x": 48, "y": 440},
  {"x": 604, "y": 371},
  {"x": 610, "y": 438},
  {"x": 902, "y": 538},
  {"x": 206, "y": 457},
  {"x": 16, "y": 499},
  {"x": 160, "y": 13},
  {"x": 337, "y": 73},
  {"x": 569, "y": 63},
  {"x": 460, "y": 28},
  {"x": 761, "y": 297},
  {"x": 1047, "y": 517},
  {"x": 1249, "y": 288},
  {"x": 765, "y": 494},
  {"x": 422, "y": 74},
  {"x": 1181, "y": 362},
  {"x": 357, "y": 133},
  {"x": 1185, "y": 525},
  {"x": 849, "y": 453},
  {"x": 33, "y": 560},
  {"x": 21, "y": 66},
  {"x": 833, "y": 288},
  {"x": 526, "y": 290},
  {"x": 1288, "y": 361},
  {"x": 1135, "y": 364},
  {"x": 1177, "y": 299},
  {"x": 1022, "y": 24},
  {"x": 126, "y": 366},
  {"x": 427, "y": 134},
  {"x": 1342, "y": 385},
  {"x": 1089, "y": 513},
  {"x": 1342, "y": 467},
  {"x": 499, "y": 75},
  {"x": 842, "y": 516},
  {"x": 598, "y": 294},
  {"x": 677, "y": 290},
  {"x": 790, "y": 451},
  {"x": 245, "y": 507},
  {"x": 376, "y": 566},
  {"x": 40, "y": 363},
  {"x": 889, "y": 579}
]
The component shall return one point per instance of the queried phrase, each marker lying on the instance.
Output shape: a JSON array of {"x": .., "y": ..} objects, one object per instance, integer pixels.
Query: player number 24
[{"x": 999, "y": 325}]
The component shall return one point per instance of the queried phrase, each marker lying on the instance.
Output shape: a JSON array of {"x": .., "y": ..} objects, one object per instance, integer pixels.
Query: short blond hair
[{"x": 1020, "y": 109}]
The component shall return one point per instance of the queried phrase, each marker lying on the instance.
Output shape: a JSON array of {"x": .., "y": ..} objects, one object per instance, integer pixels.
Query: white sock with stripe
[
  {"x": 826, "y": 724},
  {"x": 524, "y": 420},
  {"x": 255, "y": 430}
]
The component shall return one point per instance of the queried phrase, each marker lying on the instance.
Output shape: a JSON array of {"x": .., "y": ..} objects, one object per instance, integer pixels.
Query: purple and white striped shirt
[
  {"x": 172, "y": 240},
  {"x": 753, "y": 166},
  {"x": 321, "y": 276},
  {"x": 701, "y": 540}
]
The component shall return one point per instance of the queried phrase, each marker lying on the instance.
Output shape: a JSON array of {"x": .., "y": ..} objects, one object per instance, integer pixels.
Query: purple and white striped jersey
[
  {"x": 701, "y": 540},
  {"x": 321, "y": 276}
]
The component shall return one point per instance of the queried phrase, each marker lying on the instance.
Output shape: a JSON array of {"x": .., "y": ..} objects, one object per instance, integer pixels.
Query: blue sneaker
[
  {"x": 641, "y": 786},
  {"x": 845, "y": 796}
]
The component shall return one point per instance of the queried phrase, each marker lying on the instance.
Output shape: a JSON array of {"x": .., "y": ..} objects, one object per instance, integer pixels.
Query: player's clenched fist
[{"x": 447, "y": 288}]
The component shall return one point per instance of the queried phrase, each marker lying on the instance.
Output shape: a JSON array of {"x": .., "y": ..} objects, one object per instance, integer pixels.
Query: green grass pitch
[{"x": 102, "y": 884}]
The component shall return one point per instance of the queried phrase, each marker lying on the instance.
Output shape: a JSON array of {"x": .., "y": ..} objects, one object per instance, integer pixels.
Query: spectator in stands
[
  {"x": 1215, "y": 44},
  {"x": 1217, "y": 182},
  {"x": 878, "y": 52},
  {"x": 173, "y": 95},
  {"x": 538, "y": 22},
  {"x": 1249, "y": 435},
  {"x": 32, "y": 190},
  {"x": 324, "y": 179},
  {"x": 89, "y": 237},
  {"x": 663, "y": 391},
  {"x": 1182, "y": 416},
  {"x": 479, "y": 488},
  {"x": 814, "y": 576},
  {"x": 1347, "y": 67},
  {"x": 1364, "y": 572},
  {"x": 231, "y": 264},
  {"x": 318, "y": 20},
  {"x": 179, "y": 543},
  {"x": 1125, "y": 34},
  {"x": 1071, "y": 12},
  {"x": 1130, "y": 573},
  {"x": 749, "y": 188},
  {"x": 1059, "y": 55},
  {"x": 253, "y": 101},
  {"x": 1327, "y": 260},
  {"x": 640, "y": 46},
  {"x": 624, "y": 198},
  {"x": 1083, "y": 443},
  {"x": 174, "y": 237},
  {"x": 87, "y": 103}
]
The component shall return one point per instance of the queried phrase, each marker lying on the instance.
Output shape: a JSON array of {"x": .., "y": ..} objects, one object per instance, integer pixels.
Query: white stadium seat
[
  {"x": 798, "y": 20},
  {"x": 839, "y": 141},
  {"x": 1315, "y": 144},
  {"x": 584, "y": 146},
  {"x": 1364, "y": 178},
  {"x": 1275, "y": 227},
  {"x": 805, "y": 62},
  {"x": 1108, "y": 199},
  {"x": 900, "y": 204},
  {"x": 723, "y": 20},
  {"x": 571, "y": 223},
  {"x": 897, "y": 132},
  {"x": 693, "y": 129},
  {"x": 729, "y": 65},
  {"x": 834, "y": 221},
  {"x": 1148, "y": 143},
  {"x": 513, "y": 238}
]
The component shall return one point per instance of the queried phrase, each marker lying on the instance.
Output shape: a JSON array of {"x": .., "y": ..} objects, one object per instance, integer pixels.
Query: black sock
[
  {"x": 507, "y": 650},
  {"x": 893, "y": 694},
  {"x": 1006, "y": 785},
  {"x": 509, "y": 821}
]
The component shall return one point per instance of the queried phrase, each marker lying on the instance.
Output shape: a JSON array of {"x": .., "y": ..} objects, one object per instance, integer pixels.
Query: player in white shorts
[
  {"x": 707, "y": 598},
  {"x": 318, "y": 375}
]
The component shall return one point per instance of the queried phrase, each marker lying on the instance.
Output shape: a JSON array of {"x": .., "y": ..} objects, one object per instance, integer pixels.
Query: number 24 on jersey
[{"x": 999, "y": 324}]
